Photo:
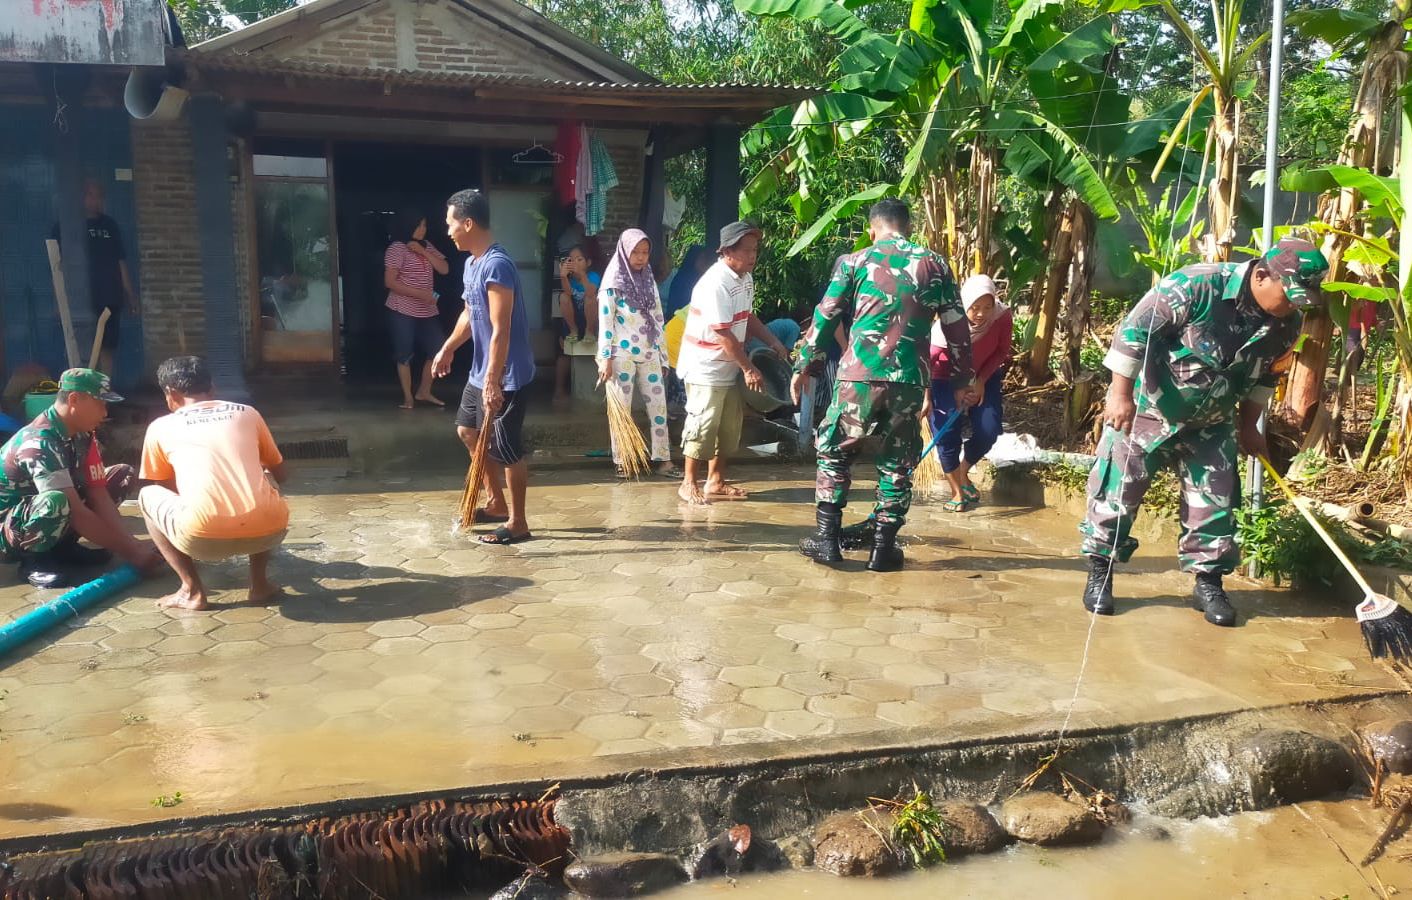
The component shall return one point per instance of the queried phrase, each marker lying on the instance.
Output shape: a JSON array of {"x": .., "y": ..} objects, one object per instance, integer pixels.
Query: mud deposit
[{"x": 1276, "y": 853}]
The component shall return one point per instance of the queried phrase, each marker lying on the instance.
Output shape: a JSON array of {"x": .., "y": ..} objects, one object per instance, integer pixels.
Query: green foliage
[
  {"x": 1023, "y": 327},
  {"x": 1285, "y": 547},
  {"x": 919, "y": 829},
  {"x": 1166, "y": 226},
  {"x": 202, "y": 20},
  {"x": 1109, "y": 310}
]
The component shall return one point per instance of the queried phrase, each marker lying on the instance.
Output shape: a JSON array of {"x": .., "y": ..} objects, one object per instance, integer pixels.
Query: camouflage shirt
[
  {"x": 41, "y": 457},
  {"x": 891, "y": 291},
  {"x": 1211, "y": 346}
]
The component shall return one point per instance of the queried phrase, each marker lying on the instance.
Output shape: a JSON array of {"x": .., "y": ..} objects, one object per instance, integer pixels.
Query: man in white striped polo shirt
[{"x": 712, "y": 359}]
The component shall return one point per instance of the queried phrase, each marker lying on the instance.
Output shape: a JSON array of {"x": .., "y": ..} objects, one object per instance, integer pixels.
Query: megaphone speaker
[{"x": 149, "y": 96}]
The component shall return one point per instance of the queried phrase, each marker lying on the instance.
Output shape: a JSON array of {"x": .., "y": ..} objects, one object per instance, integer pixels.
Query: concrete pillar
[
  {"x": 73, "y": 228},
  {"x": 722, "y": 180},
  {"x": 211, "y": 173}
]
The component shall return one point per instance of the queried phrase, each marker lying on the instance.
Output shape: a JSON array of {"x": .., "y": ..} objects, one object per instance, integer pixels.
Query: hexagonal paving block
[
  {"x": 612, "y": 727},
  {"x": 642, "y": 686},
  {"x": 797, "y": 723},
  {"x": 906, "y": 712},
  {"x": 913, "y": 674},
  {"x": 750, "y": 676},
  {"x": 771, "y": 698},
  {"x": 391, "y": 628}
]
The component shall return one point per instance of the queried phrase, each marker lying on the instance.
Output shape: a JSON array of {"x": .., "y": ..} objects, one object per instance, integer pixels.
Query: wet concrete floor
[
  {"x": 631, "y": 633},
  {"x": 1275, "y": 854}
]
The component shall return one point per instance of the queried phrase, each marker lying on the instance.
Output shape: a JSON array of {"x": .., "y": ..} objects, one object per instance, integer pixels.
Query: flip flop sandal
[
  {"x": 481, "y": 517},
  {"x": 957, "y": 506},
  {"x": 503, "y": 537},
  {"x": 972, "y": 495},
  {"x": 621, "y": 473},
  {"x": 667, "y": 471}
]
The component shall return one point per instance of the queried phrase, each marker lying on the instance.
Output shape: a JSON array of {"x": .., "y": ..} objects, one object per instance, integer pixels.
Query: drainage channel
[{"x": 422, "y": 850}]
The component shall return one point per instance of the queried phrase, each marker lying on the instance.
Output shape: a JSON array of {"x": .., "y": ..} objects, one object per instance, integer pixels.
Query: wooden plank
[
  {"x": 61, "y": 299},
  {"x": 98, "y": 337}
]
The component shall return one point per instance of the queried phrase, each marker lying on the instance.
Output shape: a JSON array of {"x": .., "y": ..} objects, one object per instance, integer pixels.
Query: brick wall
[
  {"x": 445, "y": 40},
  {"x": 625, "y": 200},
  {"x": 362, "y": 40},
  {"x": 168, "y": 245}
]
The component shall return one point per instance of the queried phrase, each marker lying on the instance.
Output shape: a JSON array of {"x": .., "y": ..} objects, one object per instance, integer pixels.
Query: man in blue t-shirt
[{"x": 502, "y": 364}]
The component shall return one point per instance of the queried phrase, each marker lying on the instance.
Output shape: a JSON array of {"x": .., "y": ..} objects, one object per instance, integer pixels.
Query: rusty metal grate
[
  {"x": 319, "y": 448},
  {"x": 433, "y": 846}
]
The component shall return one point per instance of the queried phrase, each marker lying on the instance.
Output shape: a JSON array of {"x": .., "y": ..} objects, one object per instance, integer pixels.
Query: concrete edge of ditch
[{"x": 1186, "y": 767}]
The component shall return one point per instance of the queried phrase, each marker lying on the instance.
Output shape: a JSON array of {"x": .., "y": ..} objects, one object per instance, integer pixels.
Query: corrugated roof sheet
[{"x": 753, "y": 94}]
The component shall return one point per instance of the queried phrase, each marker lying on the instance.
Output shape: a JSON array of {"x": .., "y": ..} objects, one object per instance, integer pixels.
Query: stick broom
[
  {"x": 1387, "y": 627},
  {"x": 475, "y": 477}
]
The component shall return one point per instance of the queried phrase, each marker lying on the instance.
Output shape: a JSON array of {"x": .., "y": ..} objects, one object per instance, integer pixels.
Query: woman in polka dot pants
[{"x": 630, "y": 353}]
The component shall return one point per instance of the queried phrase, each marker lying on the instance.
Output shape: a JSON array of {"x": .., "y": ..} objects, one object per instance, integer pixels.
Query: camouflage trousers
[
  {"x": 860, "y": 409},
  {"x": 1205, "y": 459},
  {"x": 38, "y": 523}
]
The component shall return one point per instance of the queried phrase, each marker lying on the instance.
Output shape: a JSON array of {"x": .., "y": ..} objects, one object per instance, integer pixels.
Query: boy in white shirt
[{"x": 712, "y": 359}]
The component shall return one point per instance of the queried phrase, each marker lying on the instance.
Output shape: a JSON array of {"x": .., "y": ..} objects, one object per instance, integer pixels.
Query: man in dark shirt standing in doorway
[{"x": 109, "y": 281}]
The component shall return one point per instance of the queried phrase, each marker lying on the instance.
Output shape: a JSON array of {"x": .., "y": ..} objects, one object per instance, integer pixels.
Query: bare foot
[
  {"x": 406, "y": 404},
  {"x": 183, "y": 599},
  {"x": 691, "y": 493},
  {"x": 428, "y": 398},
  {"x": 724, "y": 491},
  {"x": 264, "y": 593}
]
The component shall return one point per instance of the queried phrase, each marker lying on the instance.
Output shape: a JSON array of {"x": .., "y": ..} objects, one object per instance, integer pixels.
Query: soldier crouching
[
  {"x": 54, "y": 489},
  {"x": 1201, "y": 342}
]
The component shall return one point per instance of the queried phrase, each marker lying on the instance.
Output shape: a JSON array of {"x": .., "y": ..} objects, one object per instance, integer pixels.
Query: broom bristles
[
  {"x": 1390, "y": 635},
  {"x": 928, "y": 473},
  {"x": 475, "y": 478},
  {"x": 632, "y": 449}
]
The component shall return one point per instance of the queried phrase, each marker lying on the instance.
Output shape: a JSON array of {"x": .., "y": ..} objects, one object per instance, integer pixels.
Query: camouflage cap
[
  {"x": 1301, "y": 267},
  {"x": 89, "y": 381}
]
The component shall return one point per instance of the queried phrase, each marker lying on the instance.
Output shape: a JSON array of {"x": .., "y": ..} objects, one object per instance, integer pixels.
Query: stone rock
[
  {"x": 623, "y": 874},
  {"x": 847, "y": 844},
  {"x": 970, "y": 828},
  {"x": 1292, "y": 766},
  {"x": 531, "y": 888},
  {"x": 1391, "y": 742},
  {"x": 734, "y": 851},
  {"x": 1049, "y": 820},
  {"x": 798, "y": 850}
]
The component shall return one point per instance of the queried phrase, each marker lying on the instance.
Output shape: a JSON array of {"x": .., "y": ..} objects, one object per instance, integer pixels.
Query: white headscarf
[{"x": 974, "y": 288}]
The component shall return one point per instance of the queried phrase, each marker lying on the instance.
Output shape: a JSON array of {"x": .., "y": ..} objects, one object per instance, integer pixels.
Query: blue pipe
[{"x": 65, "y": 606}]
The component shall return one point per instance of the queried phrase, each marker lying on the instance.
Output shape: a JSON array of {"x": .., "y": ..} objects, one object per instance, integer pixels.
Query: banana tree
[
  {"x": 950, "y": 86},
  {"x": 1379, "y": 249},
  {"x": 1224, "y": 65},
  {"x": 1367, "y": 145},
  {"x": 1073, "y": 84}
]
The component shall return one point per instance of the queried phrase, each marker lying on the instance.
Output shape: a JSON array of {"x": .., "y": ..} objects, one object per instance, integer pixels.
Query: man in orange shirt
[{"x": 210, "y": 499}]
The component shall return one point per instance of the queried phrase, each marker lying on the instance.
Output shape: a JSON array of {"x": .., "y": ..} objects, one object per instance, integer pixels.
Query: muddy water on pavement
[{"x": 1273, "y": 854}]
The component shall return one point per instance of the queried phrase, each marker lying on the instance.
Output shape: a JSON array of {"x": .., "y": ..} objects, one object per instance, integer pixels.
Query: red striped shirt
[{"x": 413, "y": 271}]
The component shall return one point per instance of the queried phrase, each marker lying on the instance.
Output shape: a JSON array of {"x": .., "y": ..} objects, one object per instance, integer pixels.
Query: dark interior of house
[{"x": 373, "y": 182}]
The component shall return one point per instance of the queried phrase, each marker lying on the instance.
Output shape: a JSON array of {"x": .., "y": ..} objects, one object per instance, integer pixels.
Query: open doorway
[{"x": 374, "y": 182}]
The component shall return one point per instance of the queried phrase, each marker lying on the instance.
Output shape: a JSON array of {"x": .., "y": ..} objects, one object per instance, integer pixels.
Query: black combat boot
[
  {"x": 43, "y": 570},
  {"x": 823, "y": 545},
  {"x": 1098, "y": 595},
  {"x": 71, "y": 553},
  {"x": 886, "y": 555},
  {"x": 860, "y": 536},
  {"x": 1211, "y": 599}
]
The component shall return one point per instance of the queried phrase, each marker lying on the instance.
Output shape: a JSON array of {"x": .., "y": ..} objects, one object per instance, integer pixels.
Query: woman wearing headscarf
[
  {"x": 991, "y": 337},
  {"x": 630, "y": 350},
  {"x": 683, "y": 280}
]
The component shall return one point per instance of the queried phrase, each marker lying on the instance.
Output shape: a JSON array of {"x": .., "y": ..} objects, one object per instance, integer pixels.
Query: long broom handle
[
  {"x": 940, "y": 432},
  {"x": 1319, "y": 528}
]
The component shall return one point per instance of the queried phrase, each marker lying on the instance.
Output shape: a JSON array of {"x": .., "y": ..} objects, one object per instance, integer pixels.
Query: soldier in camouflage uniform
[
  {"x": 891, "y": 292},
  {"x": 55, "y": 488},
  {"x": 1197, "y": 345}
]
